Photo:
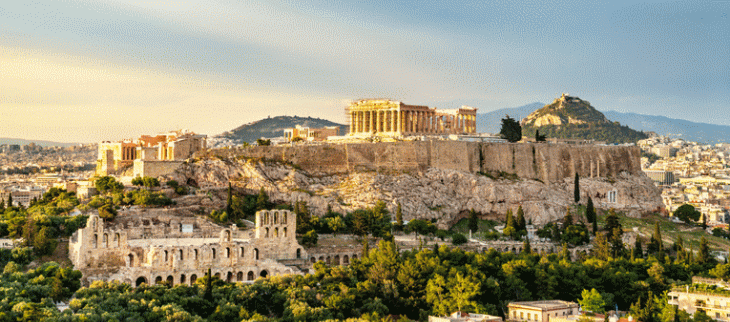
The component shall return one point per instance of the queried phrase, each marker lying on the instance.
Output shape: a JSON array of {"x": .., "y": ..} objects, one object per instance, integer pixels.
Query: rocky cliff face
[{"x": 444, "y": 194}]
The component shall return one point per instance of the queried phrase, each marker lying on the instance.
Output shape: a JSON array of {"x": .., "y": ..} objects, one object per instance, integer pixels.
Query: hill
[
  {"x": 274, "y": 127},
  {"x": 570, "y": 117},
  {"x": 690, "y": 131},
  {"x": 37, "y": 142},
  {"x": 492, "y": 121}
]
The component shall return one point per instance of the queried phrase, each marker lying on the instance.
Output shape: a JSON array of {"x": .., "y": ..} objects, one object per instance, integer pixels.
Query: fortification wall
[{"x": 547, "y": 162}]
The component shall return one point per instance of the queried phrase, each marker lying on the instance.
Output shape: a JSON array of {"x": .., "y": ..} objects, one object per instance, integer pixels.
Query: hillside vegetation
[{"x": 572, "y": 118}]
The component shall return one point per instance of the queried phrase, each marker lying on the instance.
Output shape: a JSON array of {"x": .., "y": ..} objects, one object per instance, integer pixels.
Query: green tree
[
  {"x": 10, "y": 200},
  {"x": 703, "y": 256},
  {"x": 687, "y": 213},
  {"x": 107, "y": 211},
  {"x": 335, "y": 224},
  {"x": 511, "y": 129},
  {"x": 262, "y": 201},
  {"x": 520, "y": 224},
  {"x": 526, "y": 248},
  {"x": 576, "y": 189},
  {"x": 591, "y": 212},
  {"x": 473, "y": 221},
  {"x": 263, "y": 142},
  {"x": 108, "y": 184},
  {"x": 538, "y": 137},
  {"x": 463, "y": 291},
  {"x": 399, "y": 218},
  {"x": 592, "y": 301},
  {"x": 638, "y": 251},
  {"x": 458, "y": 239},
  {"x": 310, "y": 239}
]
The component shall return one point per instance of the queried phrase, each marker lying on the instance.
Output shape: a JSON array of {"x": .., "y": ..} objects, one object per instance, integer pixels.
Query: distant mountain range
[
  {"x": 274, "y": 127},
  {"x": 490, "y": 122},
  {"x": 22, "y": 142}
]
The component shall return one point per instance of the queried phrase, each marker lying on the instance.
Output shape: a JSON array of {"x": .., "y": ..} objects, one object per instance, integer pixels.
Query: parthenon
[{"x": 384, "y": 117}]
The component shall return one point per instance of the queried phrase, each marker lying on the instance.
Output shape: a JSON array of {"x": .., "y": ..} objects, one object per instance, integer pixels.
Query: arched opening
[
  {"x": 514, "y": 250},
  {"x": 117, "y": 238},
  {"x": 105, "y": 241},
  {"x": 276, "y": 232},
  {"x": 242, "y": 252},
  {"x": 195, "y": 253},
  {"x": 284, "y": 221},
  {"x": 345, "y": 260},
  {"x": 141, "y": 280},
  {"x": 182, "y": 279},
  {"x": 313, "y": 260},
  {"x": 266, "y": 218},
  {"x": 284, "y": 232},
  {"x": 337, "y": 260},
  {"x": 131, "y": 260},
  {"x": 354, "y": 256},
  {"x": 181, "y": 255},
  {"x": 299, "y": 253},
  {"x": 239, "y": 277},
  {"x": 250, "y": 276},
  {"x": 96, "y": 239},
  {"x": 229, "y": 277},
  {"x": 179, "y": 227},
  {"x": 213, "y": 253},
  {"x": 267, "y": 233},
  {"x": 228, "y": 235},
  {"x": 256, "y": 253},
  {"x": 166, "y": 257},
  {"x": 217, "y": 275},
  {"x": 276, "y": 217},
  {"x": 193, "y": 278},
  {"x": 169, "y": 280},
  {"x": 321, "y": 258},
  {"x": 264, "y": 273},
  {"x": 158, "y": 280},
  {"x": 328, "y": 260}
]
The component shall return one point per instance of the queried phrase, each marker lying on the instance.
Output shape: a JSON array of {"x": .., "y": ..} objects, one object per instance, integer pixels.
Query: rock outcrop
[{"x": 444, "y": 194}]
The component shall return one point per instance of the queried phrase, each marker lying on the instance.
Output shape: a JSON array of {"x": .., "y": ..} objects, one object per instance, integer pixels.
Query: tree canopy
[{"x": 511, "y": 129}]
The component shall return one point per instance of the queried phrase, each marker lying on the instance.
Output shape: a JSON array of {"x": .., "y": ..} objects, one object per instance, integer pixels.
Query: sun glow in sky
[{"x": 84, "y": 71}]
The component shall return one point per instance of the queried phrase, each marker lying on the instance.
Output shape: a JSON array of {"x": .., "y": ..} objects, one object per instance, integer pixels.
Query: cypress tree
[
  {"x": 208, "y": 292},
  {"x": 10, "y": 200},
  {"x": 2, "y": 205},
  {"x": 638, "y": 250},
  {"x": 704, "y": 222},
  {"x": 590, "y": 211},
  {"x": 473, "y": 221},
  {"x": 658, "y": 237},
  {"x": 522, "y": 225},
  {"x": 576, "y": 189},
  {"x": 262, "y": 201},
  {"x": 567, "y": 220},
  {"x": 526, "y": 246},
  {"x": 399, "y": 217},
  {"x": 703, "y": 256}
]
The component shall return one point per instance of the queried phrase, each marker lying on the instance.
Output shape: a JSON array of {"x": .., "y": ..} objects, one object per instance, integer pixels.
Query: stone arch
[
  {"x": 193, "y": 278},
  {"x": 131, "y": 260},
  {"x": 285, "y": 219},
  {"x": 328, "y": 260},
  {"x": 95, "y": 241},
  {"x": 256, "y": 253},
  {"x": 195, "y": 254},
  {"x": 284, "y": 234},
  {"x": 140, "y": 280},
  {"x": 239, "y": 277},
  {"x": 117, "y": 239},
  {"x": 313, "y": 260},
  {"x": 170, "y": 279},
  {"x": 105, "y": 240},
  {"x": 514, "y": 250},
  {"x": 321, "y": 258},
  {"x": 266, "y": 218},
  {"x": 158, "y": 280},
  {"x": 228, "y": 252},
  {"x": 506, "y": 249},
  {"x": 229, "y": 277},
  {"x": 264, "y": 273},
  {"x": 181, "y": 255},
  {"x": 218, "y": 275},
  {"x": 299, "y": 253},
  {"x": 166, "y": 257},
  {"x": 242, "y": 252},
  {"x": 276, "y": 217},
  {"x": 213, "y": 253},
  {"x": 337, "y": 260},
  {"x": 345, "y": 260},
  {"x": 228, "y": 235},
  {"x": 276, "y": 232},
  {"x": 250, "y": 276},
  {"x": 182, "y": 279},
  {"x": 267, "y": 233},
  {"x": 354, "y": 256}
]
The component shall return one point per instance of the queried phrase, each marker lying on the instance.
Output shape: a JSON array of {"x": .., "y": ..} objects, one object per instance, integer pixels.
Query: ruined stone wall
[
  {"x": 155, "y": 248},
  {"x": 546, "y": 162},
  {"x": 155, "y": 168}
]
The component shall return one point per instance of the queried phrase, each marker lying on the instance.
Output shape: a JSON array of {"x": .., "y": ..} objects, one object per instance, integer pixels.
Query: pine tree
[
  {"x": 576, "y": 189},
  {"x": 262, "y": 201},
  {"x": 567, "y": 220}
]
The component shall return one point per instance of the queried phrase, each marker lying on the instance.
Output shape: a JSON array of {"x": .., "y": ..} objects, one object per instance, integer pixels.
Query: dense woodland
[{"x": 384, "y": 285}]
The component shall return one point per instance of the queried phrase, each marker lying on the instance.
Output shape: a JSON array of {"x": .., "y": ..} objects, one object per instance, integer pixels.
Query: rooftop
[{"x": 546, "y": 305}]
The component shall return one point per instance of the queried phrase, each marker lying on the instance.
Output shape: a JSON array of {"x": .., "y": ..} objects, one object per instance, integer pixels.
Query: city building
[
  {"x": 148, "y": 155},
  {"x": 709, "y": 295},
  {"x": 541, "y": 311},
  {"x": 383, "y": 117},
  {"x": 459, "y": 316},
  {"x": 311, "y": 134},
  {"x": 661, "y": 177},
  {"x": 22, "y": 194}
]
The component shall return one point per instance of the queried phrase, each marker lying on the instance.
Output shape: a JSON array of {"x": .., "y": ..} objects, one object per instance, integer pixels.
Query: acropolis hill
[{"x": 433, "y": 179}]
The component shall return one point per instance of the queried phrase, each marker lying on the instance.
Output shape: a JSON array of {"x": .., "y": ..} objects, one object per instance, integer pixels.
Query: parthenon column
[
  {"x": 398, "y": 119},
  {"x": 372, "y": 121}
]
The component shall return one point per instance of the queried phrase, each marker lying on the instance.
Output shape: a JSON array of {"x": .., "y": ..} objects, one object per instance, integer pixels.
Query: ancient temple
[{"x": 383, "y": 117}]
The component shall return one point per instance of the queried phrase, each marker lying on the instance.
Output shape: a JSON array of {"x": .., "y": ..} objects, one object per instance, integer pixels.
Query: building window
[{"x": 612, "y": 196}]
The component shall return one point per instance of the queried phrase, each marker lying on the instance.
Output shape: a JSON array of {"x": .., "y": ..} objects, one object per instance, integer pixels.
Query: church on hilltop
[{"x": 383, "y": 117}]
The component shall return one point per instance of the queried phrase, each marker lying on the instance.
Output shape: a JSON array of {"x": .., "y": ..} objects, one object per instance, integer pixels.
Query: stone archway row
[
  {"x": 333, "y": 259},
  {"x": 230, "y": 276}
]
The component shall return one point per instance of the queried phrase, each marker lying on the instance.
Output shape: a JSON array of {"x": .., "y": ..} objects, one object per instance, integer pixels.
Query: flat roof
[{"x": 547, "y": 305}]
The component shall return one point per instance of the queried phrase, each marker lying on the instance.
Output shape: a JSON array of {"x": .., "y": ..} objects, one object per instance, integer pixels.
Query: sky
[{"x": 92, "y": 70}]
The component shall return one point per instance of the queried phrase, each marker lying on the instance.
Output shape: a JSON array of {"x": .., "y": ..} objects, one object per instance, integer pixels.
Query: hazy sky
[{"x": 88, "y": 70}]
